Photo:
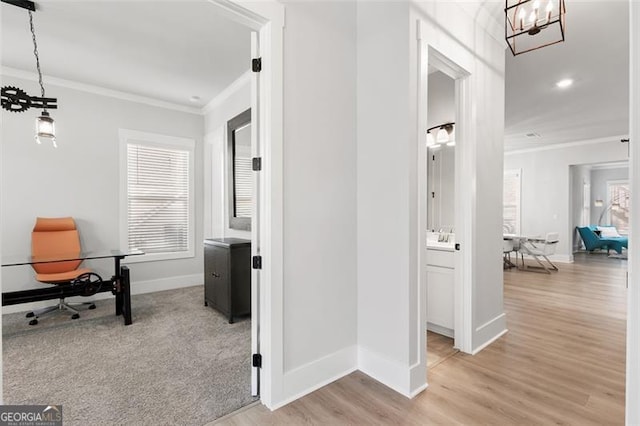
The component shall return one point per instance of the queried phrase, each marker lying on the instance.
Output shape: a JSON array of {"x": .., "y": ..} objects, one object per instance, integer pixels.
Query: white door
[{"x": 256, "y": 150}]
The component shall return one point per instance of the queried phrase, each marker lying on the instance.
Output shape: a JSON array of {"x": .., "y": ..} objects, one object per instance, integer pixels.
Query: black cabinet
[{"x": 227, "y": 276}]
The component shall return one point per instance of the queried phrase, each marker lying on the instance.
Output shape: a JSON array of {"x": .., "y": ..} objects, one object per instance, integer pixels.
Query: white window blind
[
  {"x": 158, "y": 199},
  {"x": 244, "y": 186},
  {"x": 511, "y": 202}
]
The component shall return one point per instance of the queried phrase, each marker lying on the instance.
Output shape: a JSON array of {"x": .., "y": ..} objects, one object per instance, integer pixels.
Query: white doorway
[{"x": 460, "y": 263}]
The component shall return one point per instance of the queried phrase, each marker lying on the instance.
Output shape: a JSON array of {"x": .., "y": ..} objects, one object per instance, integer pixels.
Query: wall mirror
[{"x": 240, "y": 188}]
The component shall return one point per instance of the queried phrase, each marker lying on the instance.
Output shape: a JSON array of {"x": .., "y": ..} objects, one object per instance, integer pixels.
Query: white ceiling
[
  {"x": 165, "y": 50},
  {"x": 172, "y": 50},
  {"x": 596, "y": 56}
]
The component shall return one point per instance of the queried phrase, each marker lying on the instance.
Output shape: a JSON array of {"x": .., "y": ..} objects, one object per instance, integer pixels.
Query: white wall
[
  {"x": 319, "y": 193},
  {"x": 234, "y": 100},
  {"x": 383, "y": 191},
  {"x": 81, "y": 179},
  {"x": 390, "y": 333},
  {"x": 441, "y": 99},
  {"x": 579, "y": 176},
  {"x": 599, "y": 189},
  {"x": 545, "y": 185}
]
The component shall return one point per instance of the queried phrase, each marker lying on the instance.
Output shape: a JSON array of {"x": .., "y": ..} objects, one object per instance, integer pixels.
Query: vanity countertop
[{"x": 435, "y": 245}]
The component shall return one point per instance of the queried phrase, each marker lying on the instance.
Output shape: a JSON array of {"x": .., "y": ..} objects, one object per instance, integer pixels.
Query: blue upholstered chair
[{"x": 592, "y": 241}]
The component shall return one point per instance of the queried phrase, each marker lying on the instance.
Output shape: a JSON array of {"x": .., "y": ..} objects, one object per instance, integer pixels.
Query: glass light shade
[
  {"x": 615, "y": 207},
  {"x": 598, "y": 203},
  {"x": 443, "y": 136},
  {"x": 430, "y": 140},
  {"x": 45, "y": 128}
]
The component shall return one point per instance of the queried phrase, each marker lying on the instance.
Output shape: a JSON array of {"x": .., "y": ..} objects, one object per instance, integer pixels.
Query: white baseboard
[
  {"x": 169, "y": 283},
  {"x": 440, "y": 330},
  {"x": 561, "y": 258},
  {"x": 388, "y": 372},
  {"x": 418, "y": 374},
  {"x": 316, "y": 374},
  {"x": 489, "y": 332},
  {"x": 137, "y": 287}
]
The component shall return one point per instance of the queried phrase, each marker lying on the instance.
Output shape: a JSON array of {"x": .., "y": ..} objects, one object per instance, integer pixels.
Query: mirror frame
[{"x": 241, "y": 120}]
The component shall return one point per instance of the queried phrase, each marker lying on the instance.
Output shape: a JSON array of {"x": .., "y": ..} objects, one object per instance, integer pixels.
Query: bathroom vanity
[{"x": 440, "y": 284}]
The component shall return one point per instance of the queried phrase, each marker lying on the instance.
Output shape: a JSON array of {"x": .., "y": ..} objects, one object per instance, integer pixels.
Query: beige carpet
[{"x": 178, "y": 363}]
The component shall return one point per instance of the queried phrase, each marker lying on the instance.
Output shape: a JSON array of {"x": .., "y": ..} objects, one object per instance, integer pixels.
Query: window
[
  {"x": 157, "y": 195},
  {"x": 511, "y": 202},
  {"x": 585, "y": 218},
  {"x": 618, "y": 207}
]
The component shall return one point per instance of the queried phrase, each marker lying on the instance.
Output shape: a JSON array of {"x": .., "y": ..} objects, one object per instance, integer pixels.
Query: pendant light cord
[{"x": 35, "y": 53}]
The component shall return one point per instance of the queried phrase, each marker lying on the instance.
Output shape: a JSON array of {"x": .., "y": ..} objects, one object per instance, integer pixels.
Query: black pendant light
[{"x": 17, "y": 100}]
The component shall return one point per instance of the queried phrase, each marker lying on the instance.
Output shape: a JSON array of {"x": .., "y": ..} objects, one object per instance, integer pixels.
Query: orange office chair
[{"x": 53, "y": 237}]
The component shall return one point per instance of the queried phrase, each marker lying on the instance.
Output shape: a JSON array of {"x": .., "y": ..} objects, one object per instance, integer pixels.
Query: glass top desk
[{"x": 119, "y": 284}]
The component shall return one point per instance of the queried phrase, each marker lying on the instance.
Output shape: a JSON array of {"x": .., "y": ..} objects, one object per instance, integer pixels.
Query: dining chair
[{"x": 541, "y": 250}]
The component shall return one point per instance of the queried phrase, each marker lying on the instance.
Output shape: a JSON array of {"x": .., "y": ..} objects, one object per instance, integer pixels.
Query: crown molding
[
  {"x": 98, "y": 90},
  {"x": 227, "y": 92},
  {"x": 567, "y": 145},
  {"x": 610, "y": 166}
]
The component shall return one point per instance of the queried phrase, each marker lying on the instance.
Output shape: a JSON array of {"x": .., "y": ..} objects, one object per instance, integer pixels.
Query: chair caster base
[
  {"x": 93, "y": 306},
  {"x": 75, "y": 316},
  {"x": 33, "y": 322},
  {"x": 30, "y": 315}
]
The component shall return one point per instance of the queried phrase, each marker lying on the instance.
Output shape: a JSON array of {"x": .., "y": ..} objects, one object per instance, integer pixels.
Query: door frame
[
  {"x": 632, "y": 408},
  {"x": 464, "y": 168},
  {"x": 266, "y": 18}
]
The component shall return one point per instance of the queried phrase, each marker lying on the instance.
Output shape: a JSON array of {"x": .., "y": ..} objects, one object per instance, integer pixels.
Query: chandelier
[{"x": 533, "y": 24}]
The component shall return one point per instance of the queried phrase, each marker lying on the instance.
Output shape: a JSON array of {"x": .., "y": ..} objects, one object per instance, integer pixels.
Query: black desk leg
[
  {"x": 119, "y": 303},
  {"x": 118, "y": 280},
  {"x": 125, "y": 290}
]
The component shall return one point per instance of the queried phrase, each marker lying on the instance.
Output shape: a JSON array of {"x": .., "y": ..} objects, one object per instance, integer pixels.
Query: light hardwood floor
[
  {"x": 563, "y": 361},
  {"x": 440, "y": 349}
]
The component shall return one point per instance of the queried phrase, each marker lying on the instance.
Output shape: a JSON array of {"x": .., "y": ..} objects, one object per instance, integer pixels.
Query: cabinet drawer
[{"x": 444, "y": 259}]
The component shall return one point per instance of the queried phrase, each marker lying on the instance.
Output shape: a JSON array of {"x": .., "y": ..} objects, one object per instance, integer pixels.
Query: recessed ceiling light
[
  {"x": 564, "y": 83},
  {"x": 194, "y": 98}
]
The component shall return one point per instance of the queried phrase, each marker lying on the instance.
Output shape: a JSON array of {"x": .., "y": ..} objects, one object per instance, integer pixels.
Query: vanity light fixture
[
  {"x": 17, "y": 100},
  {"x": 443, "y": 134},
  {"x": 533, "y": 24}
]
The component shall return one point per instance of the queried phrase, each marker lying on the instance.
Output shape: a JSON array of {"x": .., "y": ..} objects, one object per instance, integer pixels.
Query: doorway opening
[
  {"x": 441, "y": 173},
  {"x": 161, "y": 119},
  {"x": 445, "y": 223},
  {"x": 599, "y": 212}
]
